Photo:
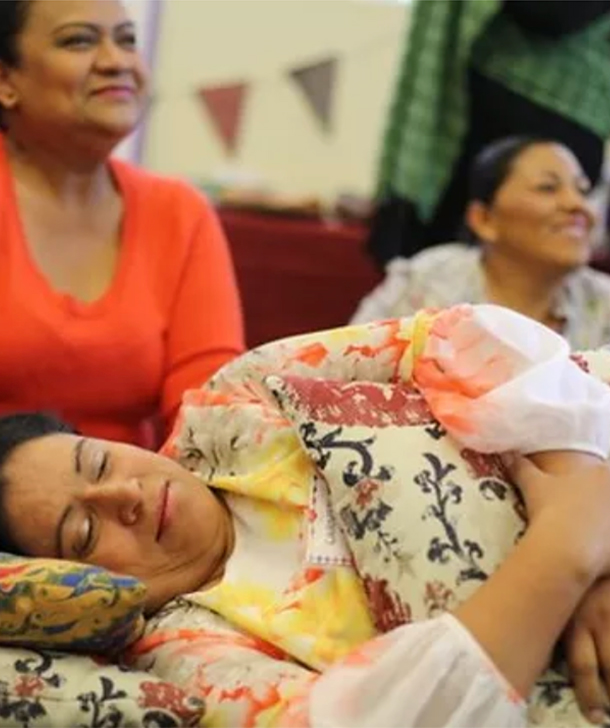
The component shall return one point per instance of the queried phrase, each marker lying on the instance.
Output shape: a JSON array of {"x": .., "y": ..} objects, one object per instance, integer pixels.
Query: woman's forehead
[
  {"x": 51, "y": 455},
  {"x": 49, "y": 14},
  {"x": 548, "y": 158}
]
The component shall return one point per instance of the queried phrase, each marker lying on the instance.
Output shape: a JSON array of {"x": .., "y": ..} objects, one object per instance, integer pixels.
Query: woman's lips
[
  {"x": 163, "y": 511},
  {"x": 115, "y": 92},
  {"x": 578, "y": 227}
]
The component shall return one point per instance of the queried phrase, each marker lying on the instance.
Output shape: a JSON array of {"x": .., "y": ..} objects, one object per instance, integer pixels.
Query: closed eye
[
  {"x": 84, "y": 538},
  {"x": 547, "y": 187},
  {"x": 102, "y": 467}
]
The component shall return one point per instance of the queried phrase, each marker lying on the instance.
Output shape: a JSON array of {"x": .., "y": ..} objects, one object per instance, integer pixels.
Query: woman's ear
[
  {"x": 8, "y": 94},
  {"x": 480, "y": 220}
]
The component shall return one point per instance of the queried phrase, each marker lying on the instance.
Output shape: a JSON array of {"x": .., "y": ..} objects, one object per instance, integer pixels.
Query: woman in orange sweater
[{"x": 117, "y": 291}]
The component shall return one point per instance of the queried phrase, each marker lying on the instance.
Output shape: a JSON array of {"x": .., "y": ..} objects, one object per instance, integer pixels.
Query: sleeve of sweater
[
  {"x": 555, "y": 18},
  {"x": 205, "y": 327}
]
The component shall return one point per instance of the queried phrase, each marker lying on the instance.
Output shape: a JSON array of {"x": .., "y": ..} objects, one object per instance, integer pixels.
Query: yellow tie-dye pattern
[
  {"x": 416, "y": 331},
  {"x": 305, "y": 616}
]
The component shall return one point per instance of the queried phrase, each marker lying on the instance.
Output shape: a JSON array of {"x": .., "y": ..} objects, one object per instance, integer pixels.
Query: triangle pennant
[
  {"x": 225, "y": 105},
  {"x": 317, "y": 82}
]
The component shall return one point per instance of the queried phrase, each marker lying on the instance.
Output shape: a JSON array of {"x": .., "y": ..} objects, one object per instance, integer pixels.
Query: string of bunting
[{"x": 225, "y": 104}]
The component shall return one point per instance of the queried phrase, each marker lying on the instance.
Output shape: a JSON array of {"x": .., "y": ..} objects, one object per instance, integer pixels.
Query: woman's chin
[{"x": 114, "y": 128}]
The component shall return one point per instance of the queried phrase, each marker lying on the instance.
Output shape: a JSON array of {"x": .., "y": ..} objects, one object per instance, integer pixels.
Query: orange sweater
[{"x": 170, "y": 318}]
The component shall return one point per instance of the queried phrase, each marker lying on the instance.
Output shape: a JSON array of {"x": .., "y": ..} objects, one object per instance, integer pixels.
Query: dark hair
[
  {"x": 13, "y": 17},
  {"x": 16, "y": 430},
  {"x": 495, "y": 162},
  {"x": 492, "y": 166}
]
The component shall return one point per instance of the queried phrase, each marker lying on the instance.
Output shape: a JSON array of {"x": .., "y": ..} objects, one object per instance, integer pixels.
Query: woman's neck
[
  {"x": 226, "y": 539},
  {"x": 522, "y": 286},
  {"x": 66, "y": 175}
]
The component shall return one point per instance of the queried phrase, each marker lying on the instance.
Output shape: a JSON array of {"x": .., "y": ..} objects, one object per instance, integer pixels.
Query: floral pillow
[
  {"x": 48, "y": 603},
  {"x": 426, "y": 520},
  {"x": 55, "y": 690}
]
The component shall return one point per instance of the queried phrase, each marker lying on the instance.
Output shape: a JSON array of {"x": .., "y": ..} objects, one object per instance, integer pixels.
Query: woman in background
[
  {"x": 475, "y": 72},
  {"x": 529, "y": 214},
  {"x": 117, "y": 291}
]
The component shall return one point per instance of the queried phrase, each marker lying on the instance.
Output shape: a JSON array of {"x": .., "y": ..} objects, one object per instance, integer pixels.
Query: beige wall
[
  {"x": 144, "y": 13},
  {"x": 217, "y": 41}
]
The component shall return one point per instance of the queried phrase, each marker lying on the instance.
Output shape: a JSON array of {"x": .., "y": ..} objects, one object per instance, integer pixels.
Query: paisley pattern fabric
[
  {"x": 65, "y": 605},
  {"x": 55, "y": 690}
]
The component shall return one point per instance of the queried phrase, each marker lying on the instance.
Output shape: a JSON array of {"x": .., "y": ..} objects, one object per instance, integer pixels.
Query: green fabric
[
  {"x": 570, "y": 76},
  {"x": 428, "y": 118}
]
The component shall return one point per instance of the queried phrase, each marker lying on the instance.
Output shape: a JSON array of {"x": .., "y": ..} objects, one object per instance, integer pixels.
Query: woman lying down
[{"x": 254, "y": 606}]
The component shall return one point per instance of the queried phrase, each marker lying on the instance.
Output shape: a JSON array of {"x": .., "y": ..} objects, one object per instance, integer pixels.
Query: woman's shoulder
[
  {"x": 161, "y": 194},
  {"x": 437, "y": 259},
  {"x": 594, "y": 281}
]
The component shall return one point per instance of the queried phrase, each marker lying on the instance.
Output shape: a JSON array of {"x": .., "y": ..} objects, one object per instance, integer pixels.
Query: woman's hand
[
  {"x": 587, "y": 642},
  {"x": 570, "y": 494},
  {"x": 522, "y": 610}
]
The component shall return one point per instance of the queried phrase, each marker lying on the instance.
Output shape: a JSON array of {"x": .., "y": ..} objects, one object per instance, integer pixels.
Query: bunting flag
[
  {"x": 317, "y": 82},
  {"x": 225, "y": 105}
]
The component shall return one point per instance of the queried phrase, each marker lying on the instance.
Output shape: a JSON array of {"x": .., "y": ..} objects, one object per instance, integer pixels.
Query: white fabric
[
  {"x": 430, "y": 674},
  {"x": 547, "y": 402}
]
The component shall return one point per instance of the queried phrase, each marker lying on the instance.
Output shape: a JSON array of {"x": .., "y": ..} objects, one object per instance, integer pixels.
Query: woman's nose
[
  {"x": 121, "y": 498},
  {"x": 111, "y": 58},
  {"x": 576, "y": 199}
]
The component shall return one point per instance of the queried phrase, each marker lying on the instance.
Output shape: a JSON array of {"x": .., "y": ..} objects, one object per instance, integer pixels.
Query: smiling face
[
  {"x": 540, "y": 215},
  {"x": 78, "y": 70},
  {"x": 116, "y": 506}
]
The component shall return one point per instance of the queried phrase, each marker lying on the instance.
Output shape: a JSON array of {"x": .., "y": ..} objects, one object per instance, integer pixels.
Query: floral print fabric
[
  {"x": 426, "y": 520},
  {"x": 55, "y": 690},
  {"x": 264, "y": 646}
]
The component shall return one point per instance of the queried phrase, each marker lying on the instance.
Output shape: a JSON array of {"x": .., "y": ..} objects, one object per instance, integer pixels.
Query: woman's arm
[
  {"x": 206, "y": 327},
  {"x": 447, "y": 671},
  {"x": 466, "y": 669},
  {"x": 518, "y": 615},
  {"x": 421, "y": 674}
]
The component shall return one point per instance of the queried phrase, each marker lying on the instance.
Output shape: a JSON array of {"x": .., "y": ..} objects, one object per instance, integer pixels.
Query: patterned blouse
[{"x": 450, "y": 274}]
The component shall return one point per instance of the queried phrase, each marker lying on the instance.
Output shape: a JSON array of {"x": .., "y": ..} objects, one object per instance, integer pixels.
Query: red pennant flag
[
  {"x": 225, "y": 105},
  {"x": 317, "y": 82}
]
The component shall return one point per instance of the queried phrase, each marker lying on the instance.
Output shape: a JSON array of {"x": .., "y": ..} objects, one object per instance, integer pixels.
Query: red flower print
[
  {"x": 28, "y": 686},
  {"x": 388, "y": 610},
  {"x": 358, "y": 403},
  {"x": 171, "y": 698},
  {"x": 438, "y": 598},
  {"x": 481, "y": 465},
  {"x": 366, "y": 490}
]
